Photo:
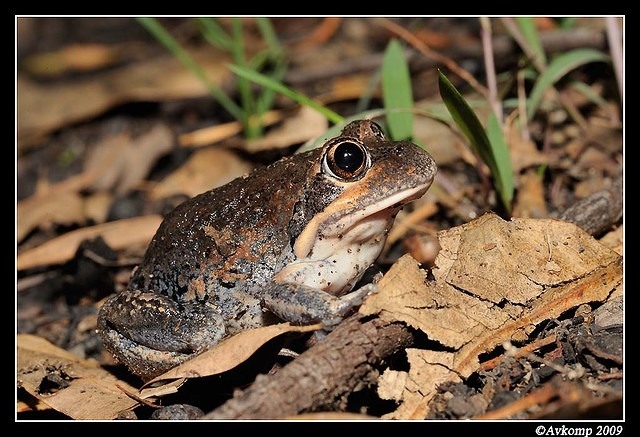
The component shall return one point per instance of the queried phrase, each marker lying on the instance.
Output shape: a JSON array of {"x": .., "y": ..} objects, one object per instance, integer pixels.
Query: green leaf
[
  {"x": 493, "y": 152},
  {"x": 466, "y": 120},
  {"x": 557, "y": 68},
  {"x": 396, "y": 92}
]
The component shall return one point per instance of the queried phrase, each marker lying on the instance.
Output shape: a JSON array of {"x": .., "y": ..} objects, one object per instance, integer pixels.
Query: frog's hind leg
[
  {"x": 140, "y": 360},
  {"x": 155, "y": 327}
]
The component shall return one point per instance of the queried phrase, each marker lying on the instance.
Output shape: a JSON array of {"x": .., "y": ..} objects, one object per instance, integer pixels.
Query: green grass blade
[
  {"x": 396, "y": 92},
  {"x": 529, "y": 31},
  {"x": 252, "y": 130},
  {"x": 268, "y": 33},
  {"x": 159, "y": 32},
  {"x": 499, "y": 149},
  {"x": 267, "y": 82},
  {"x": 557, "y": 68},
  {"x": 274, "y": 55},
  {"x": 214, "y": 33},
  {"x": 589, "y": 93}
]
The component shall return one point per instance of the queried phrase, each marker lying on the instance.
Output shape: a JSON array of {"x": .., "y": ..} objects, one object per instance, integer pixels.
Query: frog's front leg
[
  {"x": 152, "y": 333},
  {"x": 303, "y": 304}
]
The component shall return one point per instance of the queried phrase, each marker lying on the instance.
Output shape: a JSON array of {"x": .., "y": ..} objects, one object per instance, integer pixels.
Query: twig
[
  {"x": 322, "y": 376},
  {"x": 430, "y": 53},
  {"x": 503, "y": 49},
  {"x": 490, "y": 68},
  {"x": 521, "y": 352}
]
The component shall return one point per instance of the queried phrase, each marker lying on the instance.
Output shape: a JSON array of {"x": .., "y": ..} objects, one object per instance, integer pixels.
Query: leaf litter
[{"x": 493, "y": 282}]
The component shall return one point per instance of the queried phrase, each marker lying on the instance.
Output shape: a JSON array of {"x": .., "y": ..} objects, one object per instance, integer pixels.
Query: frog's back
[{"x": 236, "y": 234}]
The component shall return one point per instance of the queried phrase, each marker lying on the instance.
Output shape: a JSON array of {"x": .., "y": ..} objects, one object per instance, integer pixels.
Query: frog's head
[{"x": 359, "y": 184}]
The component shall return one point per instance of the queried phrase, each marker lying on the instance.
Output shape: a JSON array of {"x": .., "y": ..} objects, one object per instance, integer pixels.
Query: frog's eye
[{"x": 346, "y": 159}]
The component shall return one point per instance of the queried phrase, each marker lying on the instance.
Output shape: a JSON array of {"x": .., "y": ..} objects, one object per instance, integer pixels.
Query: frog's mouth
[
  {"x": 339, "y": 244},
  {"x": 344, "y": 224}
]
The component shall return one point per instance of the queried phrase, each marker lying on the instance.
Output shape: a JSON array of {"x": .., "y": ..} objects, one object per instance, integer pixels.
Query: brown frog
[{"x": 287, "y": 242}]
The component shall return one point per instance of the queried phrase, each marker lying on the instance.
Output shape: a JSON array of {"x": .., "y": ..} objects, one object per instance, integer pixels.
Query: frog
[{"x": 287, "y": 242}]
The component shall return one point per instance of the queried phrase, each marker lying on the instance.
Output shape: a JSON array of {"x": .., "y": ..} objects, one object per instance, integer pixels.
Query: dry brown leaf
[
  {"x": 97, "y": 206},
  {"x": 43, "y": 108},
  {"x": 116, "y": 164},
  {"x": 80, "y": 388},
  {"x": 229, "y": 353},
  {"x": 75, "y": 57},
  {"x": 494, "y": 282},
  {"x": 428, "y": 368},
  {"x": 118, "y": 235},
  {"x": 439, "y": 140},
  {"x": 64, "y": 208},
  {"x": 614, "y": 240},
  {"x": 214, "y": 134},
  {"x": 530, "y": 201},
  {"x": 523, "y": 151},
  {"x": 518, "y": 260},
  {"x": 306, "y": 124},
  {"x": 131, "y": 158},
  {"x": 345, "y": 88},
  {"x": 205, "y": 169}
]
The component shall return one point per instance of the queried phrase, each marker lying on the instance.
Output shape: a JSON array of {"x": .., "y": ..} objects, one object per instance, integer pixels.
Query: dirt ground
[{"x": 113, "y": 133}]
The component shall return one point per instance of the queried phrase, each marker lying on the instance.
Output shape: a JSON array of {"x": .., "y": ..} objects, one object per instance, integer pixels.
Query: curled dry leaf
[
  {"x": 494, "y": 282},
  {"x": 64, "y": 208},
  {"x": 206, "y": 169},
  {"x": 209, "y": 135},
  {"x": 115, "y": 164},
  {"x": 118, "y": 235},
  {"x": 43, "y": 108},
  {"x": 229, "y": 353},
  {"x": 306, "y": 124},
  {"x": 79, "y": 388},
  {"x": 131, "y": 159}
]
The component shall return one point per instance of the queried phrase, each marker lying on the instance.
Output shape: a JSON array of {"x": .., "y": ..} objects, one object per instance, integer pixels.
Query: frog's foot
[
  {"x": 303, "y": 305},
  {"x": 147, "y": 330},
  {"x": 143, "y": 361}
]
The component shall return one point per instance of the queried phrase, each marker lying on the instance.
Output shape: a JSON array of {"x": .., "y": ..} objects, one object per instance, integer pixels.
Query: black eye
[{"x": 346, "y": 159}]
